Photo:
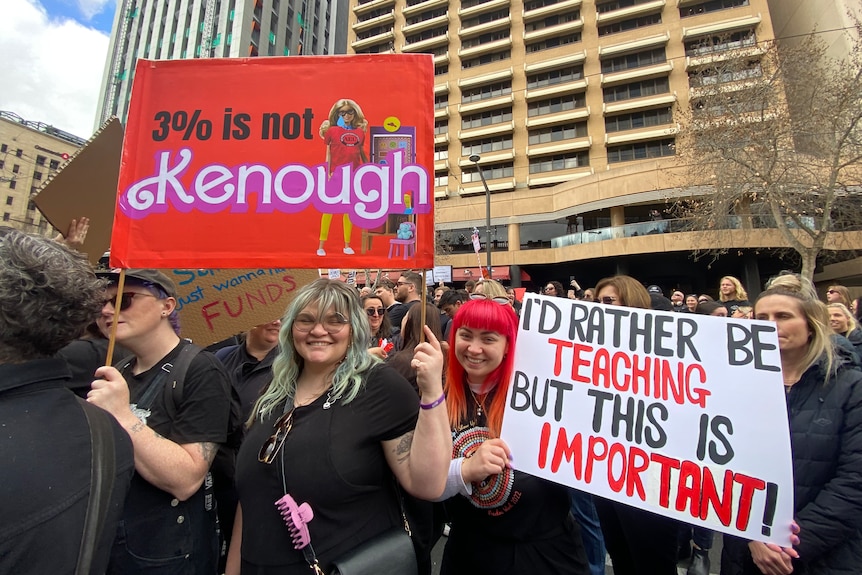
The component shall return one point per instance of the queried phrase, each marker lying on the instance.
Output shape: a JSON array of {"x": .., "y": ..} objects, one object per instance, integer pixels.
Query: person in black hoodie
[{"x": 824, "y": 405}]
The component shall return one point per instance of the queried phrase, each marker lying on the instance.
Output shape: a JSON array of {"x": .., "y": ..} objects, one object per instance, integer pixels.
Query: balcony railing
[{"x": 657, "y": 227}]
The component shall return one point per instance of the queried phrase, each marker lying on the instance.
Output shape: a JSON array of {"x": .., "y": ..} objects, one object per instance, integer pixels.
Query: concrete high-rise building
[
  {"x": 570, "y": 106},
  {"x": 179, "y": 29},
  {"x": 30, "y": 153}
]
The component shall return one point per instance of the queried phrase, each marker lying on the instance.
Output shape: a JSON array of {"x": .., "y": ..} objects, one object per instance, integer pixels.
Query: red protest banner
[{"x": 301, "y": 162}]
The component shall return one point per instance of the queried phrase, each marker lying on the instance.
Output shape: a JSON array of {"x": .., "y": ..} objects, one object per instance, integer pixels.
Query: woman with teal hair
[{"x": 331, "y": 430}]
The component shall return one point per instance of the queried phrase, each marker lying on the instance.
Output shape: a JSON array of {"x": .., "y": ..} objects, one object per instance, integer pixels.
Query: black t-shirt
[
  {"x": 509, "y": 510},
  {"x": 200, "y": 416},
  {"x": 734, "y": 304},
  {"x": 333, "y": 460},
  {"x": 45, "y": 471}
]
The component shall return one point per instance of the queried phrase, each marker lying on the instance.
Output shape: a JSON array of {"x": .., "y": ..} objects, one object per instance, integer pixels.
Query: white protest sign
[{"x": 679, "y": 414}]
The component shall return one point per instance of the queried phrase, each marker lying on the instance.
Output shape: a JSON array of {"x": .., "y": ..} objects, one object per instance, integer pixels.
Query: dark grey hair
[{"x": 48, "y": 295}]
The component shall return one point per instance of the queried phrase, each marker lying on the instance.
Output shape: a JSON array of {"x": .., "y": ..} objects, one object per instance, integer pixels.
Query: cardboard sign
[
  {"x": 312, "y": 162},
  {"x": 86, "y": 186},
  {"x": 216, "y": 304},
  {"x": 679, "y": 414}
]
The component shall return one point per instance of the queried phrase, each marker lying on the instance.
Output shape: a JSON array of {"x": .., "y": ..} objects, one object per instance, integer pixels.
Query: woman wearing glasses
[
  {"x": 331, "y": 430},
  {"x": 503, "y": 521},
  {"x": 344, "y": 135},
  {"x": 380, "y": 342},
  {"x": 639, "y": 542},
  {"x": 838, "y": 294}
]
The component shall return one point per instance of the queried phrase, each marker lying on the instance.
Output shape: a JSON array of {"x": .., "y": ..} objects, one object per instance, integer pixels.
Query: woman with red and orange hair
[{"x": 502, "y": 520}]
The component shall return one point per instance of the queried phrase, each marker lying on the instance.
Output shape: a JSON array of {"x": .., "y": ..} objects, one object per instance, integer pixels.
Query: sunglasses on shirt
[{"x": 272, "y": 445}]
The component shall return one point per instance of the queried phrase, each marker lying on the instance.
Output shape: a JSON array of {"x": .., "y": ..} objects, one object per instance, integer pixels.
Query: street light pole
[{"x": 475, "y": 159}]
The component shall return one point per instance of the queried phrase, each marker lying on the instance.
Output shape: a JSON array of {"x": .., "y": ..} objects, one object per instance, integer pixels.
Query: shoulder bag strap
[{"x": 102, "y": 471}]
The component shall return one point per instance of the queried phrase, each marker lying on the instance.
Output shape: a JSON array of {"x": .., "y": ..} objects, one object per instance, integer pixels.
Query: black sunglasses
[
  {"x": 372, "y": 311},
  {"x": 276, "y": 440},
  {"x": 127, "y": 299}
]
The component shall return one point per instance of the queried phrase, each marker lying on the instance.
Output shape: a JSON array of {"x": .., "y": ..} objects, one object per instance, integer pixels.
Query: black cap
[
  {"x": 654, "y": 289},
  {"x": 150, "y": 276}
]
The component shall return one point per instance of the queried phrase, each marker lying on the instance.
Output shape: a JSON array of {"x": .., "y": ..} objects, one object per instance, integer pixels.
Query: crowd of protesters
[{"x": 347, "y": 390}]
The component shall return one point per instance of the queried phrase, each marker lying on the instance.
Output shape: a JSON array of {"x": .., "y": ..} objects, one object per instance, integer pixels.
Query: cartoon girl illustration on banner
[{"x": 344, "y": 135}]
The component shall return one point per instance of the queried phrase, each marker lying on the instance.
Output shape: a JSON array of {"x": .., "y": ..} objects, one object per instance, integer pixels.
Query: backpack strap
[
  {"x": 102, "y": 470},
  {"x": 177, "y": 375}
]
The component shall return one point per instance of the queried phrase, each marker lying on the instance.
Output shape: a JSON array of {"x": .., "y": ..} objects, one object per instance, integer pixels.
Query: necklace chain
[{"x": 480, "y": 405}]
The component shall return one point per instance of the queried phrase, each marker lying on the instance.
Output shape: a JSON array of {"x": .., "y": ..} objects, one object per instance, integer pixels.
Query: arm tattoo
[
  {"x": 402, "y": 450},
  {"x": 137, "y": 427},
  {"x": 208, "y": 451}
]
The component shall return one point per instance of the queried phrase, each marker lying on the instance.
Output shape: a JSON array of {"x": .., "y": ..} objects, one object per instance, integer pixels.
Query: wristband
[{"x": 434, "y": 403}]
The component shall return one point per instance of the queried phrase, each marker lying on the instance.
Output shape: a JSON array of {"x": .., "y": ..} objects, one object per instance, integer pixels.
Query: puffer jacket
[{"x": 826, "y": 442}]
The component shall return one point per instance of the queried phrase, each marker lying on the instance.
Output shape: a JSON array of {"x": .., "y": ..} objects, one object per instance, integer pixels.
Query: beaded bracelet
[{"x": 434, "y": 403}]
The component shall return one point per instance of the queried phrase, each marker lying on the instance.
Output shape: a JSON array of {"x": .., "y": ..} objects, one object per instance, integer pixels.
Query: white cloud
[
  {"x": 90, "y": 8},
  {"x": 51, "y": 69}
]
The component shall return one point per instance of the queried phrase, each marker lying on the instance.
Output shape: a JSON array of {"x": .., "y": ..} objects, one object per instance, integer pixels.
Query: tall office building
[
  {"x": 570, "y": 105},
  {"x": 179, "y": 29}
]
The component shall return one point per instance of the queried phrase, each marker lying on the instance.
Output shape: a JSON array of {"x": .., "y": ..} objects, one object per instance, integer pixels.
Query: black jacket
[{"x": 826, "y": 442}]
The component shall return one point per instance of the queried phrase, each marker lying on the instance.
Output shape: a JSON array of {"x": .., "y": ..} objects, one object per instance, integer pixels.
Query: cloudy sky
[{"x": 53, "y": 58}]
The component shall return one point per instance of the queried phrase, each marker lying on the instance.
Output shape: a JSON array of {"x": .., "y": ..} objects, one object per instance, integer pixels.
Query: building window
[
  {"x": 12, "y": 184},
  {"x": 711, "y": 76},
  {"x": 558, "y": 133},
  {"x": 441, "y": 70},
  {"x": 559, "y": 162},
  {"x": 31, "y": 205},
  {"x": 551, "y": 21},
  {"x": 637, "y": 120},
  {"x": 641, "y": 151},
  {"x": 632, "y": 24},
  {"x": 424, "y": 35},
  {"x": 487, "y": 145},
  {"x": 376, "y": 31},
  {"x": 441, "y": 127},
  {"x": 40, "y": 160},
  {"x": 630, "y": 61},
  {"x": 15, "y": 168},
  {"x": 441, "y": 153},
  {"x": 485, "y": 18},
  {"x": 441, "y": 101},
  {"x": 554, "y": 105},
  {"x": 555, "y": 77},
  {"x": 486, "y": 59},
  {"x": 54, "y": 164},
  {"x": 441, "y": 179},
  {"x": 486, "y": 118},
  {"x": 6, "y": 216},
  {"x": 636, "y": 90},
  {"x": 554, "y": 42},
  {"x": 711, "y": 6},
  {"x": 491, "y": 172},
  {"x": 611, "y": 5},
  {"x": 485, "y": 39},
  {"x": 2, "y": 163},
  {"x": 37, "y": 175},
  {"x": 723, "y": 43},
  {"x": 486, "y": 92},
  {"x": 3, "y": 148},
  {"x": 9, "y": 200},
  {"x": 414, "y": 19},
  {"x": 536, "y": 4}
]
